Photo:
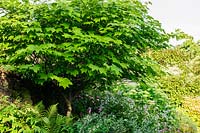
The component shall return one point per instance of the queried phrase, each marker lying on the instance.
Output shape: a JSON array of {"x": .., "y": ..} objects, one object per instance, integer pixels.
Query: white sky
[{"x": 174, "y": 14}]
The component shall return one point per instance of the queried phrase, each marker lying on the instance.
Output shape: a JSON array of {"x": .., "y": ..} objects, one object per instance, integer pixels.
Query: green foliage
[
  {"x": 15, "y": 117},
  {"x": 191, "y": 108},
  {"x": 78, "y": 42},
  {"x": 128, "y": 109},
  {"x": 53, "y": 122},
  {"x": 171, "y": 56},
  {"x": 181, "y": 82},
  {"x": 182, "y": 66},
  {"x": 186, "y": 123},
  {"x": 82, "y": 44},
  {"x": 100, "y": 123},
  {"x": 19, "y": 117},
  {"x": 109, "y": 112},
  {"x": 179, "y": 86}
]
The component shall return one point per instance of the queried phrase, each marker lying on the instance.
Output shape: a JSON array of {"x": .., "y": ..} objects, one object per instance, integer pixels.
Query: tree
[{"x": 78, "y": 43}]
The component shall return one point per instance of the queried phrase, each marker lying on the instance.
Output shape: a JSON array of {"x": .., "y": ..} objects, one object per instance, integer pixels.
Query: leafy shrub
[
  {"x": 181, "y": 65},
  {"x": 179, "y": 86},
  {"x": 52, "y": 122},
  {"x": 170, "y": 56},
  {"x": 75, "y": 44},
  {"x": 127, "y": 109},
  {"x": 186, "y": 122},
  {"x": 191, "y": 107},
  {"x": 19, "y": 117},
  {"x": 14, "y": 118},
  {"x": 100, "y": 123},
  {"x": 181, "y": 83}
]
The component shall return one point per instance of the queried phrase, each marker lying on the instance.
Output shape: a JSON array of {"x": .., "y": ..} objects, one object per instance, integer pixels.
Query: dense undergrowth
[
  {"x": 19, "y": 117},
  {"x": 125, "y": 108}
]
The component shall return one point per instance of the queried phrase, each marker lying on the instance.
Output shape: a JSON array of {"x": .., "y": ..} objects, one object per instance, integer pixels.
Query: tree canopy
[{"x": 78, "y": 41}]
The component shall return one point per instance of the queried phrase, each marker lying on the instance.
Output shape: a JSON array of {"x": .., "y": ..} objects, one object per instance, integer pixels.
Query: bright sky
[{"x": 174, "y": 14}]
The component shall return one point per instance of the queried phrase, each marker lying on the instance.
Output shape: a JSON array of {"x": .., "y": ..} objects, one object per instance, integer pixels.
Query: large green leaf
[{"x": 63, "y": 82}]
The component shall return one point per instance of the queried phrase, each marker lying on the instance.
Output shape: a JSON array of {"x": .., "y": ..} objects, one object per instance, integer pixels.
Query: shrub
[
  {"x": 182, "y": 72},
  {"x": 191, "y": 108},
  {"x": 14, "y": 117},
  {"x": 77, "y": 44},
  {"x": 179, "y": 86},
  {"x": 100, "y": 123},
  {"x": 127, "y": 109},
  {"x": 187, "y": 125},
  {"x": 20, "y": 117},
  {"x": 181, "y": 83}
]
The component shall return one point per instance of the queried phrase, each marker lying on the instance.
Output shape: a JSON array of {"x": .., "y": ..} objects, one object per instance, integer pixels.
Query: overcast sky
[{"x": 173, "y": 14}]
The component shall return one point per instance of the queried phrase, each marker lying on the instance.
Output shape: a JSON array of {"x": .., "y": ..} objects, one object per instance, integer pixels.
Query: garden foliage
[
  {"x": 181, "y": 64},
  {"x": 181, "y": 82},
  {"x": 130, "y": 108},
  {"x": 85, "y": 44},
  {"x": 18, "y": 117},
  {"x": 78, "y": 42}
]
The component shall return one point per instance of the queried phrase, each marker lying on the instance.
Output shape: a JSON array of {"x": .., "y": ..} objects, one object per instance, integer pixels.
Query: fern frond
[{"x": 52, "y": 111}]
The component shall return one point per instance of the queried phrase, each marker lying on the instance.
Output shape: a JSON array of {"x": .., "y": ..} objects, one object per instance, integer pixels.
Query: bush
[
  {"x": 191, "y": 107},
  {"x": 186, "y": 122},
  {"x": 181, "y": 83},
  {"x": 179, "y": 86},
  {"x": 100, "y": 123},
  {"x": 20, "y": 117},
  {"x": 77, "y": 44},
  {"x": 181, "y": 65},
  {"x": 14, "y": 117},
  {"x": 127, "y": 109}
]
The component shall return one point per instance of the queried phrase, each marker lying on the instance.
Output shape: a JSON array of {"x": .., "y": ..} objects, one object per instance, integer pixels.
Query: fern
[
  {"x": 18, "y": 117},
  {"x": 53, "y": 122}
]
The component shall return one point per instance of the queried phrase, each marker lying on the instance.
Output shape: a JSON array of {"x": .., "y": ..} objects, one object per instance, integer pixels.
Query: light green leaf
[
  {"x": 77, "y": 30},
  {"x": 66, "y": 26},
  {"x": 116, "y": 69},
  {"x": 64, "y": 82},
  {"x": 65, "y": 35},
  {"x": 102, "y": 71},
  {"x": 58, "y": 30},
  {"x": 93, "y": 67},
  {"x": 50, "y": 30},
  {"x": 74, "y": 72},
  {"x": 10, "y": 37},
  {"x": 83, "y": 70},
  {"x": 35, "y": 68}
]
